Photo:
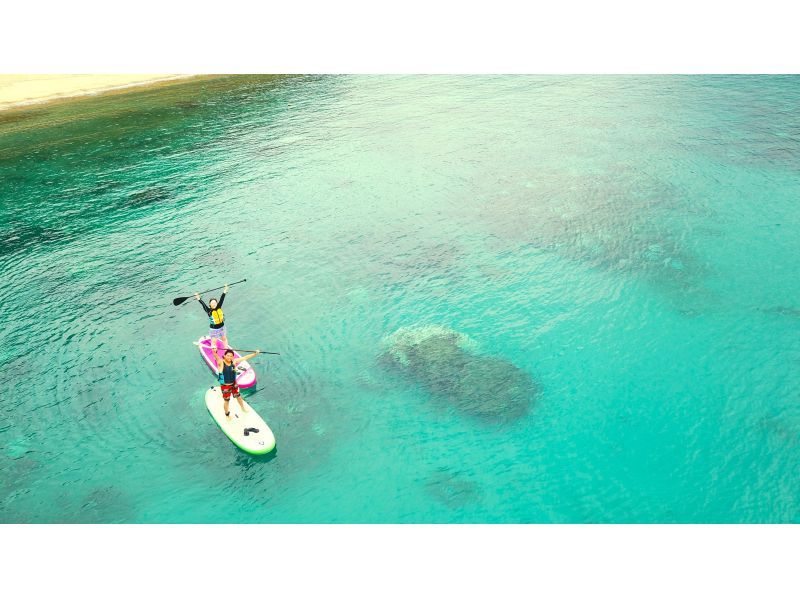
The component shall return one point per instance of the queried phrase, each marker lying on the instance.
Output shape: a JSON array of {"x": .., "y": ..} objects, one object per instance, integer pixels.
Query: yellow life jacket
[{"x": 216, "y": 316}]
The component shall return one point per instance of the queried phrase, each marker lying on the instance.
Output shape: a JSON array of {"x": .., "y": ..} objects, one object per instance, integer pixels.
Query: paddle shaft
[
  {"x": 181, "y": 300},
  {"x": 222, "y": 287},
  {"x": 244, "y": 350},
  {"x": 250, "y": 394}
]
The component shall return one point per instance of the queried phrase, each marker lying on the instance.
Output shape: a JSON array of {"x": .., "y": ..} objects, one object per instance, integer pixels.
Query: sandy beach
[{"x": 22, "y": 90}]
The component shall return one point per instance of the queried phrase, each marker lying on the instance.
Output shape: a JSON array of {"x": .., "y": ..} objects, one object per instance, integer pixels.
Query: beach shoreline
[{"x": 22, "y": 91}]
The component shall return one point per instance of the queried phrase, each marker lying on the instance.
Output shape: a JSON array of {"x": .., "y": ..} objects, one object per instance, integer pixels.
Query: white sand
[{"x": 20, "y": 90}]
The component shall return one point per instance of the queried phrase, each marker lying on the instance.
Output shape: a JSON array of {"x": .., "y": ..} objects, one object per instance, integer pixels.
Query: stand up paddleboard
[
  {"x": 246, "y": 376},
  {"x": 245, "y": 429}
]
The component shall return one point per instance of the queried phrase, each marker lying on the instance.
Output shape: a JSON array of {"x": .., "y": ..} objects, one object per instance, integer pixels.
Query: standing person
[
  {"x": 216, "y": 320},
  {"x": 227, "y": 377}
]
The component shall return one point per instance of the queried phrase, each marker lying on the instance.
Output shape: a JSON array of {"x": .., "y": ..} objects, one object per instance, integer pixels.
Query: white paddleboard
[{"x": 256, "y": 442}]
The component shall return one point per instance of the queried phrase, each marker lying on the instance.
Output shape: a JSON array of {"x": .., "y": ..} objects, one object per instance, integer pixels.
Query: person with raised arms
[
  {"x": 227, "y": 377},
  {"x": 216, "y": 320}
]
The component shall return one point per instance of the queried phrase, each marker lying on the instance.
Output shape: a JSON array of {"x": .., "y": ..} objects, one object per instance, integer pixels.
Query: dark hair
[
  {"x": 228, "y": 351},
  {"x": 212, "y": 299}
]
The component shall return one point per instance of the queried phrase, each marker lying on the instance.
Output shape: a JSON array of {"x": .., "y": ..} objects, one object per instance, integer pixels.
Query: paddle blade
[{"x": 179, "y": 300}]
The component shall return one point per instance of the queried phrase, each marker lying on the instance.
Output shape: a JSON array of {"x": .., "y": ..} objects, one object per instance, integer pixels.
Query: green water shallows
[{"x": 628, "y": 244}]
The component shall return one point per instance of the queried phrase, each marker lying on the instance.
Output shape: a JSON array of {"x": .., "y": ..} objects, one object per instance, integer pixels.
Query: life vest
[
  {"x": 216, "y": 317},
  {"x": 227, "y": 375}
]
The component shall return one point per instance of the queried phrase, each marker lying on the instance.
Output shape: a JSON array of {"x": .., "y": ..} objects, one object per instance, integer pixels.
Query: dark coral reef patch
[{"x": 446, "y": 364}]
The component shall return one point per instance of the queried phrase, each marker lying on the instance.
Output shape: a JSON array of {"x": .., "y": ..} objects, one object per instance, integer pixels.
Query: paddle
[
  {"x": 243, "y": 350},
  {"x": 178, "y": 300}
]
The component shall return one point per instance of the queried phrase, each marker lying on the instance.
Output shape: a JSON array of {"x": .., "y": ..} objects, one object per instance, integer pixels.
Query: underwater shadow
[
  {"x": 246, "y": 460},
  {"x": 446, "y": 364}
]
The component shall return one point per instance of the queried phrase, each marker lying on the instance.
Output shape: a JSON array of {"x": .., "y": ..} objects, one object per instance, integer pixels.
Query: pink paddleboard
[{"x": 246, "y": 378}]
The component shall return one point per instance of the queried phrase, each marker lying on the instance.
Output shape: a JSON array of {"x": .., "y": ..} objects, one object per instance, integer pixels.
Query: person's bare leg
[
  {"x": 224, "y": 340},
  {"x": 241, "y": 402},
  {"x": 226, "y": 409}
]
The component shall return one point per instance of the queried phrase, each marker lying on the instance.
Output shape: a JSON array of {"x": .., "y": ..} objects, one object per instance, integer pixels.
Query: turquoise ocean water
[{"x": 629, "y": 243}]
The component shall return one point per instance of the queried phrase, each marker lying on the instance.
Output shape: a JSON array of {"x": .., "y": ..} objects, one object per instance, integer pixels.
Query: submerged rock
[
  {"x": 146, "y": 197},
  {"x": 101, "y": 504},
  {"x": 618, "y": 221},
  {"x": 452, "y": 489},
  {"x": 784, "y": 428},
  {"x": 16, "y": 474},
  {"x": 18, "y": 447},
  {"x": 24, "y": 235},
  {"x": 446, "y": 364},
  {"x": 780, "y": 310},
  {"x": 106, "y": 504}
]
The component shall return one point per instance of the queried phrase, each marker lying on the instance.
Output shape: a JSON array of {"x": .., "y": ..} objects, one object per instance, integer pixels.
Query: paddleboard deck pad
[
  {"x": 246, "y": 429},
  {"x": 246, "y": 376}
]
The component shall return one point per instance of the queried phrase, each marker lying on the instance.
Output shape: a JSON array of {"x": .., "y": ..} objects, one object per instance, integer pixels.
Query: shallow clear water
[{"x": 629, "y": 243}]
